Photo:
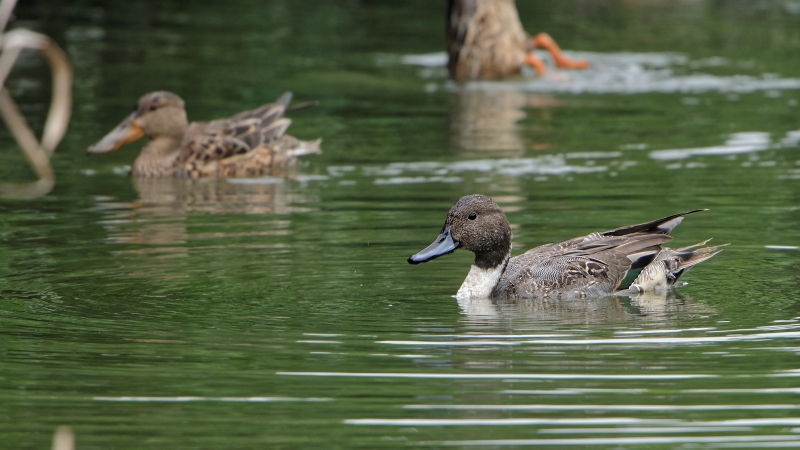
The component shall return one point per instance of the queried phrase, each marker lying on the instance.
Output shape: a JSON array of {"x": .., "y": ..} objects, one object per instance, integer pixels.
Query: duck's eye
[
  {"x": 472, "y": 216},
  {"x": 153, "y": 107}
]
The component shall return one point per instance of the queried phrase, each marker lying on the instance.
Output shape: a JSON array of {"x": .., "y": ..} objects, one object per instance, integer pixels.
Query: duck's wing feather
[
  {"x": 264, "y": 112},
  {"x": 589, "y": 266},
  {"x": 205, "y": 143},
  {"x": 664, "y": 225},
  {"x": 564, "y": 276}
]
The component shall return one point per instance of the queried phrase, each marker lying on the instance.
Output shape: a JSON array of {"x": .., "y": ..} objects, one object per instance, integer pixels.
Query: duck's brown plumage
[
  {"x": 251, "y": 143},
  {"x": 486, "y": 41},
  {"x": 587, "y": 266}
]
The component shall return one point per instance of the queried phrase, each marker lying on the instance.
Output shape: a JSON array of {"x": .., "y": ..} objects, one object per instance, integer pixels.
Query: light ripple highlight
[
  {"x": 641, "y": 440},
  {"x": 637, "y": 430},
  {"x": 208, "y": 399},
  {"x": 657, "y": 408},
  {"x": 496, "y": 376},
  {"x": 609, "y": 341},
  {"x": 769, "y": 422},
  {"x": 504, "y": 422}
]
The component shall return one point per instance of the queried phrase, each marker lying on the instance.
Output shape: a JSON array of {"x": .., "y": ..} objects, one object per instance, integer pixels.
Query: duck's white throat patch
[{"x": 480, "y": 282}]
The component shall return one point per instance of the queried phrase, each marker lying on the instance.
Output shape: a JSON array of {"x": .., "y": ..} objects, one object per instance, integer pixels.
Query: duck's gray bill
[{"x": 443, "y": 245}]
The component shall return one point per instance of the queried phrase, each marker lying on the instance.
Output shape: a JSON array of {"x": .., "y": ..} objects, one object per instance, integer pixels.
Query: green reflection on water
[{"x": 119, "y": 288}]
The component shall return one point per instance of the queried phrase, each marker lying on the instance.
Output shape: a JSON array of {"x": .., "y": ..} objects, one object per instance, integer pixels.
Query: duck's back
[
  {"x": 242, "y": 145},
  {"x": 485, "y": 39},
  {"x": 590, "y": 266},
  {"x": 587, "y": 266}
]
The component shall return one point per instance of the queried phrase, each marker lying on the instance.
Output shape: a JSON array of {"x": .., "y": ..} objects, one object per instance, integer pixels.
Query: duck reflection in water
[
  {"x": 487, "y": 120},
  {"x": 267, "y": 195},
  {"x": 654, "y": 305},
  {"x": 173, "y": 219},
  {"x": 159, "y": 216}
]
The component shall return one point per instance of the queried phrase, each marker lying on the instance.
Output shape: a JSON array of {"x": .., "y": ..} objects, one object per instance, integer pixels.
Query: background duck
[
  {"x": 589, "y": 266},
  {"x": 251, "y": 143},
  {"x": 485, "y": 40}
]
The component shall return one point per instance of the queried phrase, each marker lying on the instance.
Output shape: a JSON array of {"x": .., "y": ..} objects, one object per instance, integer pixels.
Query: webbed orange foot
[
  {"x": 534, "y": 61},
  {"x": 543, "y": 40}
]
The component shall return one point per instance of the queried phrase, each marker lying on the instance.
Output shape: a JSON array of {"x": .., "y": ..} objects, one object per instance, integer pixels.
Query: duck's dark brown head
[
  {"x": 157, "y": 114},
  {"x": 475, "y": 223}
]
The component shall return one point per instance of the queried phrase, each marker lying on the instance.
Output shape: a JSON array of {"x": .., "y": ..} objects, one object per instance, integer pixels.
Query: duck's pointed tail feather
[
  {"x": 641, "y": 250},
  {"x": 284, "y": 99},
  {"x": 300, "y": 106},
  {"x": 275, "y": 130},
  {"x": 307, "y": 147},
  {"x": 669, "y": 265},
  {"x": 665, "y": 225},
  {"x": 692, "y": 255}
]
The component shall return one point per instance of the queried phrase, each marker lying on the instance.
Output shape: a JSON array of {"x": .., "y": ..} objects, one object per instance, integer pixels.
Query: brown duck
[
  {"x": 251, "y": 143},
  {"x": 587, "y": 266},
  {"x": 486, "y": 41}
]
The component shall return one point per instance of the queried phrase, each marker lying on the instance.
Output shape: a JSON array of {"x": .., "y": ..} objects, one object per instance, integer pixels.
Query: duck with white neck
[{"x": 589, "y": 266}]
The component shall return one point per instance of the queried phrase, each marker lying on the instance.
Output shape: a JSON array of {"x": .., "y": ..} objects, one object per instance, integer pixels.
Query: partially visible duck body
[
  {"x": 486, "y": 41},
  {"x": 251, "y": 143},
  {"x": 587, "y": 266},
  {"x": 668, "y": 266}
]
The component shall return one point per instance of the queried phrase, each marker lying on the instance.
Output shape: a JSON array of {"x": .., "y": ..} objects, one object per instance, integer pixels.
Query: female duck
[
  {"x": 251, "y": 143},
  {"x": 588, "y": 266},
  {"x": 485, "y": 41}
]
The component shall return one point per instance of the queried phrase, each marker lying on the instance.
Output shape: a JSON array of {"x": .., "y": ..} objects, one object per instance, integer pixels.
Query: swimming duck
[
  {"x": 589, "y": 266},
  {"x": 251, "y": 143},
  {"x": 485, "y": 41}
]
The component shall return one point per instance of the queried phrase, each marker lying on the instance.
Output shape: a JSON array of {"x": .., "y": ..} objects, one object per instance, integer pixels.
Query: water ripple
[
  {"x": 209, "y": 399},
  {"x": 609, "y": 341},
  {"x": 628, "y": 441},
  {"x": 657, "y": 408},
  {"x": 502, "y": 376},
  {"x": 623, "y": 73}
]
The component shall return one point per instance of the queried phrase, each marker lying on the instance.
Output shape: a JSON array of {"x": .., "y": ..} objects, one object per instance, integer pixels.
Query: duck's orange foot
[
  {"x": 567, "y": 63},
  {"x": 534, "y": 61},
  {"x": 543, "y": 40}
]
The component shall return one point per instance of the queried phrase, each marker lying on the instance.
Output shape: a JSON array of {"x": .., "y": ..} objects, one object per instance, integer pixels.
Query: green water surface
[{"x": 281, "y": 313}]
